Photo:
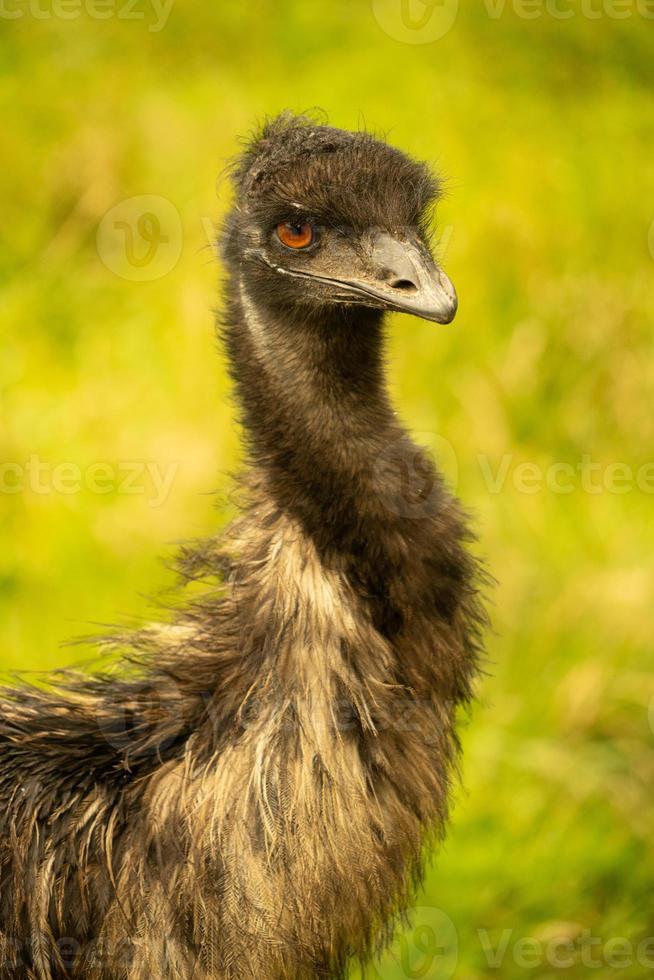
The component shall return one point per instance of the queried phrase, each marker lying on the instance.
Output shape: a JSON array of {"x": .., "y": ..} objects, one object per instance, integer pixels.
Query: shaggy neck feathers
[{"x": 328, "y": 453}]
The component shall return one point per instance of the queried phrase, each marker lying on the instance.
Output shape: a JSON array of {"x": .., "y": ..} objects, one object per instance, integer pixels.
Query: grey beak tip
[
  {"x": 450, "y": 314},
  {"x": 452, "y": 304}
]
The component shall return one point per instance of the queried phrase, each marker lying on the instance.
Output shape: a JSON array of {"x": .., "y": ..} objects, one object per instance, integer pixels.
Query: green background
[{"x": 544, "y": 127}]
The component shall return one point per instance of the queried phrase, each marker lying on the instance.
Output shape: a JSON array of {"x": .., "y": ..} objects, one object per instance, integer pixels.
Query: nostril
[
  {"x": 396, "y": 281},
  {"x": 405, "y": 285}
]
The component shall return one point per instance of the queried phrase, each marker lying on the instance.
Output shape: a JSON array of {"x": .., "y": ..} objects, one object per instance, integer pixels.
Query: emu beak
[{"x": 406, "y": 278}]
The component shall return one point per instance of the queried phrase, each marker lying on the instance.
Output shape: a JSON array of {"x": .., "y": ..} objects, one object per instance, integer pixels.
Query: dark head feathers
[{"x": 340, "y": 177}]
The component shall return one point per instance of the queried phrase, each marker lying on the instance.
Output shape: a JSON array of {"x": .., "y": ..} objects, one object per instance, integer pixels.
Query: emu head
[{"x": 325, "y": 217}]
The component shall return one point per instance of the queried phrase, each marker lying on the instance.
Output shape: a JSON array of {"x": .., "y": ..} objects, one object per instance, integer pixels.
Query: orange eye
[{"x": 295, "y": 236}]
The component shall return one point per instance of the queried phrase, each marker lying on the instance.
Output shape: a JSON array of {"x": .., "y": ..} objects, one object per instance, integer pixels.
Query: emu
[{"x": 250, "y": 795}]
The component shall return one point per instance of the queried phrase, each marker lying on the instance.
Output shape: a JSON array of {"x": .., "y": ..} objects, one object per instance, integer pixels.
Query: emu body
[{"x": 250, "y": 797}]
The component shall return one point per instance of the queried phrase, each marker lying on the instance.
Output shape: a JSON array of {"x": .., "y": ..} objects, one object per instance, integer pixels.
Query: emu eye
[{"x": 295, "y": 236}]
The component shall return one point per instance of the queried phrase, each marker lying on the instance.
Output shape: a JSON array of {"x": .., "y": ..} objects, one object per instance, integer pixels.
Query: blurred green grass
[{"x": 545, "y": 131}]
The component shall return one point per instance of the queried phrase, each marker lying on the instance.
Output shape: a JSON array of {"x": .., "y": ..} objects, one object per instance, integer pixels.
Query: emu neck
[
  {"x": 314, "y": 404},
  {"x": 328, "y": 453}
]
